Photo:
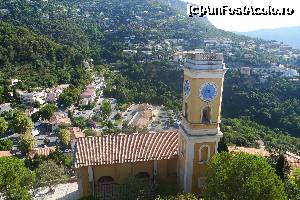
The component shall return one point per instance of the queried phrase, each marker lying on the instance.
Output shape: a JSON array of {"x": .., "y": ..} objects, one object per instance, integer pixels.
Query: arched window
[
  {"x": 186, "y": 110},
  {"x": 105, "y": 179},
  {"x": 204, "y": 154},
  {"x": 206, "y": 112},
  {"x": 142, "y": 175}
]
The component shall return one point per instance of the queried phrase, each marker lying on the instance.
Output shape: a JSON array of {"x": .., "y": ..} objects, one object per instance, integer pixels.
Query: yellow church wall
[
  {"x": 196, "y": 104},
  {"x": 120, "y": 172},
  {"x": 142, "y": 167},
  {"x": 83, "y": 183},
  {"x": 199, "y": 169},
  {"x": 166, "y": 171}
]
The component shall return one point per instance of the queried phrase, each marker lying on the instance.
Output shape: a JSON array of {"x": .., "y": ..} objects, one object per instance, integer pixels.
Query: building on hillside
[
  {"x": 14, "y": 81},
  {"x": 75, "y": 133},
  {"x": 88, "y": 95},
  {"x": 5, "y": 107},
  {"x": 143, "y": 115},
  {"x": 31, "y": 97},
  {"x": 59, "y": 119},
  {"x": 292, "y": 159},
  {"x": 246, "y": 71},
  {"x": 5, "y": 154},
  {"x": 29, "y": 111},
  {"x": 177, "y": 158},
  {"x": 254, "y": 151},
  {"x": 40, "y": 152},
  {"x": 54, "y": 93}
]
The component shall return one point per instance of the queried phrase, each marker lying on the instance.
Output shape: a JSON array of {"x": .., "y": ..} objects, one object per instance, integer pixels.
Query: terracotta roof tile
[
  {"x": 253, "y": 151},
  {"x": 114, "y": 149},
  {"x": 293, "y": 159},
  {"x": 41, "y": 151},
  {"x": 5, "y": 154},
  {"x": 76, "y": 132},
  {"x": 59, "y": 118}
]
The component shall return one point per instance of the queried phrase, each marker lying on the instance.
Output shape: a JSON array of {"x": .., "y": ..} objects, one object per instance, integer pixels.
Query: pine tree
[
  {"x": 222, "y": 145},
  {"x": 282, "y": 167}
]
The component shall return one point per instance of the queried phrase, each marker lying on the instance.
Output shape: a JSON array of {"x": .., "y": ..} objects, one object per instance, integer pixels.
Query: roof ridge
[{"x": 114, "y": 149}]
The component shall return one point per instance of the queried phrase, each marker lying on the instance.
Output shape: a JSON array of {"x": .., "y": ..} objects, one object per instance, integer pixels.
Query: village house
[
  {"x": 5, "y": 154},
  {"x": 40, "y": 152},
  {"x": 59, "y": 119},
  {"x": 246, "y": 71},
  {"x": 31, "y": 110},
  {"x": 5, "y": 107},
  {"x": 31, "y": 97},
  {"x": 14, "y": 81},
  {"x": 292, "y": 159},
  {"x": 142, "y": 116},
  {"x": 253, "y": 151},
  {"x": 53, "y": 93},
  {"x": 75, "y": 133},
  {"x": 88, "y": 95}
]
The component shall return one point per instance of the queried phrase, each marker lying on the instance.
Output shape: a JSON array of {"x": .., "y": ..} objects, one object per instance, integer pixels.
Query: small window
[
  {"x": 206, "y": 112},
  {"x": 204, "y": 154},
  {"x": 142, "y": 175},
  {"x": 105, "y": 179}
]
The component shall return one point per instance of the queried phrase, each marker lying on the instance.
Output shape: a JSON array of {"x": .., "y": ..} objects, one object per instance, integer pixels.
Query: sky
[{"x": 249, "y": 23}]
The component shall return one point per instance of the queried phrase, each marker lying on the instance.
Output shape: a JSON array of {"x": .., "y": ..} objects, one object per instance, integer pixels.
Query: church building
[{"x": 180, "y": 158}]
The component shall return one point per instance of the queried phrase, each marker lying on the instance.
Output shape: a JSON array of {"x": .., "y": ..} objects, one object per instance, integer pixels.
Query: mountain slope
[
  {"x": 288, "y": 35},
  {"x": 35, "y": 59}
]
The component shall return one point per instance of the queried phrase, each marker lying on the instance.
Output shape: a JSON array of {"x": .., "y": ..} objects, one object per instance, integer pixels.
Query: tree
[
  {"x": 222, "y": 145},
  {"x": 69, "y": 96},
  {"x": 106, "y": 109},
  {"x": 64, "y": 136},
  {"x": 27, "y": 143},
  {"x": 47, "y": 111},
  {"x": 3, "y": 125},
  {"x": 49, "y": 174},
  {"x": 81, "y": 122},
  {"x": 281, "y": 167},
  {"x": 33, "y": 163},
  {"x": 89, "y": 132},
  {"x": 118, "y": 116},
  {"x": 242, "y": 177},
  {"x": 292, "y": 189},
  {"x": 6, "y": 145},
  {"x": 60, "y": 158},
  {"x": 15, "y": 179},
  {"x": 22, "y": 123}
]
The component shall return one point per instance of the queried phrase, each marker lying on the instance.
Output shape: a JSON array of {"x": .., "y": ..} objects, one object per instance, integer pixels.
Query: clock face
[
  {"x": 187, "y": 88},
  {"x": 208, "y": 91}
]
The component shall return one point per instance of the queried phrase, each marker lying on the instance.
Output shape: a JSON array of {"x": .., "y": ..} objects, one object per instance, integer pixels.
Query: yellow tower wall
[
  {"x": 199, "y": 169},
  {"x": 196, "y": 104}
]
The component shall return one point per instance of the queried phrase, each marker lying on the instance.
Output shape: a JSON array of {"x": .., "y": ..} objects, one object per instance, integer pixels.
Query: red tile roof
[
  {"x": 41, "y": 152},
  {"x": 253, "y": 151},
  {"x": 293, "y": 159},
  {"x": 75, "y": 132},
  {"x": 5, "y": 154},
  {"x": 114, "y": 149},
  {"x": 59, "y": 118}
]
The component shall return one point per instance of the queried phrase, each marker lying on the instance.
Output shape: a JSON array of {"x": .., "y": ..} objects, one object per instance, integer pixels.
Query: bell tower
[{"x": 199, "y": 129}]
